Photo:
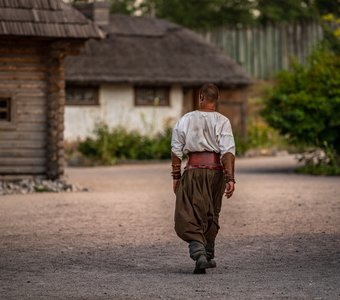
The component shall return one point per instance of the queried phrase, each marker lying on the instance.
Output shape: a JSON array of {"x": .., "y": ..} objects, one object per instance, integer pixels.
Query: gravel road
[{"x": 279, "y": 238}]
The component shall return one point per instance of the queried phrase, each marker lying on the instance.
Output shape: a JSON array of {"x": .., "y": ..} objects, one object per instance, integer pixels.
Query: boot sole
[
  {"x": 211, "y": 264},
  {"x": 201, "y": 268},
  {"x": 200, "y": 271}
]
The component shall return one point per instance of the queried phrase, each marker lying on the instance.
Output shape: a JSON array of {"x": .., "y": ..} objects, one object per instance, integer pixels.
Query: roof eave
[{"x": 142, "y": 81}]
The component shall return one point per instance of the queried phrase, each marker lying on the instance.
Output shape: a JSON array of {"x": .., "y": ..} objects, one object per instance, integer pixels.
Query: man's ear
[{"x": 200, "y": 97}]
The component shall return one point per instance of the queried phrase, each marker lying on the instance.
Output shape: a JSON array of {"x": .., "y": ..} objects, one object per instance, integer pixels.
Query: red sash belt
[{"x": 204, "y": 160}]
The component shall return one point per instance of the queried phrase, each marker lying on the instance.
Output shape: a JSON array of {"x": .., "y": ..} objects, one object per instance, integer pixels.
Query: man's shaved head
[{"x": 209, "y": 92}]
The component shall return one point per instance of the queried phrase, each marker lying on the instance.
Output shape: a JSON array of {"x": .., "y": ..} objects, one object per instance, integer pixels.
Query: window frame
[
  {"x": 11, "y": 124},
  {"x": 167, "y": 95},
  {"x": 82, "y": 102}
]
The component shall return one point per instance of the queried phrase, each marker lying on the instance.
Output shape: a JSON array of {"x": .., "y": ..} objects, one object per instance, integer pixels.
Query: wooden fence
[{"x": 263, "y": 51}]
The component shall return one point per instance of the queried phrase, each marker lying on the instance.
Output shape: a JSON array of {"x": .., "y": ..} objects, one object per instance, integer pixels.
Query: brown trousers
[{"x": 198, "y": 205}]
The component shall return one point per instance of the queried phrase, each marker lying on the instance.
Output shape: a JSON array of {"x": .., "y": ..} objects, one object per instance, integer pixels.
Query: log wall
[
  {"x": 31, "y": 72},
  {"x": 23, "y": 76}
]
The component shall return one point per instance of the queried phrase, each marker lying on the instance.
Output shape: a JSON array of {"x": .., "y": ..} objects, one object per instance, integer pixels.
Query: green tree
[
  {"x": 331, "y": 30},
  {"x": 286, "y": 10},
  {"x": 325, "y": 7},
  {"x": 202, "y": 14},
  {"x": 126, "y": 7},
  {"x": 293, "y": 10},
  {"x": 207, "y": 14}
]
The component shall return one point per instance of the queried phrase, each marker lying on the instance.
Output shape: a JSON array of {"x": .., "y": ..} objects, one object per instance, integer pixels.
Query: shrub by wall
[{"x": 110, "y": 145}]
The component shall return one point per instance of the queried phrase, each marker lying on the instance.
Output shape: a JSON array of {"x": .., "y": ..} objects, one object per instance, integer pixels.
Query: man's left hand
[{"x": 230, "y": 188}]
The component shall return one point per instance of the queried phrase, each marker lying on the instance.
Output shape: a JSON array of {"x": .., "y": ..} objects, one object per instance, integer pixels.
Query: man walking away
[{"x": 206, "y": 137}]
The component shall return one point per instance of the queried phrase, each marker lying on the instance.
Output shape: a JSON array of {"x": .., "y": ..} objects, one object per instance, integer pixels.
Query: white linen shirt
[{"x": 199, "y": 131}]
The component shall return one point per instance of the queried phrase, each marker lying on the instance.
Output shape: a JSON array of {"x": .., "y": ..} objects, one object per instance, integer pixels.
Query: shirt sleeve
[
  {"x": 226, "y": 141},
  {"x": 177, "y": 141}
]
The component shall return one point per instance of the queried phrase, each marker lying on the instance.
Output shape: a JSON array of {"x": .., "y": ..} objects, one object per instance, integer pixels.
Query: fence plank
[{"x": 263, "y": 51}]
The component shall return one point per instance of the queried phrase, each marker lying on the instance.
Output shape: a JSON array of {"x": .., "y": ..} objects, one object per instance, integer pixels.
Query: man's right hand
[{"x": 230, "y": 188}]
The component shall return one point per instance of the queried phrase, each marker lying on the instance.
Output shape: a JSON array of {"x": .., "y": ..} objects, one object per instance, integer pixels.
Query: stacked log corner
[{"x": 55, "y": 110}]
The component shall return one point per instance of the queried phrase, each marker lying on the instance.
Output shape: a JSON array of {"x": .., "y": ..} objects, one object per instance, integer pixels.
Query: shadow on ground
[{"x": 299, "y": 266}]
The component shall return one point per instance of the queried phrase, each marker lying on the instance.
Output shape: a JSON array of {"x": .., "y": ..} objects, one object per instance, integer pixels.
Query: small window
[
  {"x": 152, "y": 96},
  {"x": 5, "y": 109},
  {"x": 82, "y": 95}
]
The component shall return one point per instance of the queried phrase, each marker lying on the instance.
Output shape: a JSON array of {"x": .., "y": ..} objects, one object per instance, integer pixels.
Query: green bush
[
  {"x": 109, "y": 145},
  {"x": 305, "y": 104},
  {"x": 260, "y": 136}
]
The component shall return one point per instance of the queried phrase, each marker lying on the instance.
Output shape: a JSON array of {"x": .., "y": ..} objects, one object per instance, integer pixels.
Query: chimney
[{"x": 98, "y": 11}]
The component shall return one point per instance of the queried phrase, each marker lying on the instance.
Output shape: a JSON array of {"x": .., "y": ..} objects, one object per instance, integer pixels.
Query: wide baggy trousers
[{"x": 198, "y": 205}]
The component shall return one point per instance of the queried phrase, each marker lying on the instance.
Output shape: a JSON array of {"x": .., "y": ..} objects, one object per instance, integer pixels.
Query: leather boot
[
  {"x": 210, "y": 250},
  {"x": 201, "y": 265},
  {"x": 196, "y": 249},
  {"x": 197, "y": 253}
]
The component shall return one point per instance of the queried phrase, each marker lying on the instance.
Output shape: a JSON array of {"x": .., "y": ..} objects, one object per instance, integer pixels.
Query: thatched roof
[
  {"x": 44, "y": 18},
  {"x": 143, "y": 50}
]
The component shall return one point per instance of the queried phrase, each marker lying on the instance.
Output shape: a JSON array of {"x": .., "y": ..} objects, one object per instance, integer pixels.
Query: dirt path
[{"x": 279, "y": 238}]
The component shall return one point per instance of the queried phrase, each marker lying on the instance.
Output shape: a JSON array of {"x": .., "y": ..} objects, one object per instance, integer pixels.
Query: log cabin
[{"x": 35, "y": 37}]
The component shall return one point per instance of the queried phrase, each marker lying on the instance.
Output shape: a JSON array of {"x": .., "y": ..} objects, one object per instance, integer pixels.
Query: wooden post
[{"x": 55, "y": 109}]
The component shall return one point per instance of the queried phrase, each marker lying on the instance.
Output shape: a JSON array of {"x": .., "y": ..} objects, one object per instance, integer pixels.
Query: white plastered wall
[{"x": 117, "y": 108}]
